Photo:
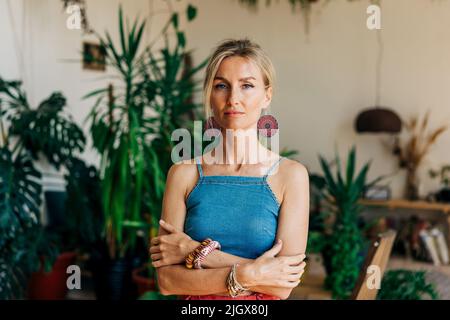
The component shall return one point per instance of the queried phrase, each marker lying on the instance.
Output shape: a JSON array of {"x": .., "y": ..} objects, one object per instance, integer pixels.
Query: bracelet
[
  {"x": 196, "y": 257},
  {"x": 234, "y": 287}
]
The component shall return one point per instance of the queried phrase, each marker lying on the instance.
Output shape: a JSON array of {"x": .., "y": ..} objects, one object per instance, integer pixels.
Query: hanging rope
[{"x": 378, "y": 68}]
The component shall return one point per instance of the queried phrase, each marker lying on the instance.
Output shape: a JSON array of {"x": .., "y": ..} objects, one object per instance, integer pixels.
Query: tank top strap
[
  {"x": 273, "y": 167},
  {"x": 199, "y": 167}
]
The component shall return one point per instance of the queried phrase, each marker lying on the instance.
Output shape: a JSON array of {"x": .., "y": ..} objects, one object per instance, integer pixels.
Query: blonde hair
[{"x": 241, "y": 48}]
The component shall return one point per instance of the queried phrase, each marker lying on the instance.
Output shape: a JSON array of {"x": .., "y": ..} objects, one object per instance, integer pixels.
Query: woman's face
[{"x": 239, "y": 94}]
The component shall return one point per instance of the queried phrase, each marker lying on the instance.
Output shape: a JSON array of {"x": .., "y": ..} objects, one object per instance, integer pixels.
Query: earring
[{"x": 267, "y": 125}]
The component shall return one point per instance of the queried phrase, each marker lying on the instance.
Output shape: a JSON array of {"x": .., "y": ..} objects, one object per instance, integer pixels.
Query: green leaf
[
  {"x": 191, "y": 12},
  {"x": 181, "y": 39},
  {"x": 122, "y": 32},
  {"x": 351, "y": 166},
  {"x": 174, "y": 20}
]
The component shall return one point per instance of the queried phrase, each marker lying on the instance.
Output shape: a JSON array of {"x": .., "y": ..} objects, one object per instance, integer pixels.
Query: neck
[{"x": 240, "y": 147}]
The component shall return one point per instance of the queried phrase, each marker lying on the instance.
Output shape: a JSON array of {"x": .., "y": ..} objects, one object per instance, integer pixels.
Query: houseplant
[
  {"x": 406, "y": 285},
  {"x": 25, "y": 245},
  {"x": 444, "y": 194},
  {"x": 131, "y": 126},
  {"x": 343, "y": 243},
  {"x": 413, "y": 151}
]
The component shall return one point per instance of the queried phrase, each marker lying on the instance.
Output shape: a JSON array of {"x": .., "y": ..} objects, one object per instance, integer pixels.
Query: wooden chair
[{"x": 377, "y": 256}]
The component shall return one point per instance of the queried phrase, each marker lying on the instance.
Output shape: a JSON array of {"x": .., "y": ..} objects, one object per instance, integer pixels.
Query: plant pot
[
  {"x": 143, "y": 280},
  {"x": 113, "y": 279},
  {"x": 51, "y": 285}
]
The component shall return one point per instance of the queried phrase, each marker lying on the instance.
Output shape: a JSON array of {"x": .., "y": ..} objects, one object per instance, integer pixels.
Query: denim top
[{"x": 239, "y": 212}]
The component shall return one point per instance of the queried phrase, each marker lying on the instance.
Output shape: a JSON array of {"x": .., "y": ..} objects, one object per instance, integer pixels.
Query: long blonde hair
[{"x": 242, "y": 48}]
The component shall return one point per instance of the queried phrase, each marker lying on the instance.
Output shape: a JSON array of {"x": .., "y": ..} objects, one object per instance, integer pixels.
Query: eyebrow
[{"x": 243, "y": 79}]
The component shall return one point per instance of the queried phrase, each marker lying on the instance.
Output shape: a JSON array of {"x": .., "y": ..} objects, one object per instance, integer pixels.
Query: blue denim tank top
[{"x": 240, "y": 212}]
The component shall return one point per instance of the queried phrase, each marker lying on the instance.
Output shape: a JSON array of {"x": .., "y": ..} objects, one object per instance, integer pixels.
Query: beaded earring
[{"x": 267, "y": 125}]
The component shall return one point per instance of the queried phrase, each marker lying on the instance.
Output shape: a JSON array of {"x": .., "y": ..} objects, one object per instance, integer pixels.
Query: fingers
[
  {"x": 167, "y": 226},
  {"x": 297, "y": 268},
  {"x": 294, "y": 260},
  {"x": 155, "y": 241},
  {"x": 156, "y": 256},
  {"x": 294, "y": 277},
  {"x": 154, "y": 249},
  {"x": 274, "y": 250}
]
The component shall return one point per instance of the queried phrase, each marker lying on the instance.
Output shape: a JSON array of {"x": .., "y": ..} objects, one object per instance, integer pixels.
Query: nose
[{"x": 234, "y": 97}]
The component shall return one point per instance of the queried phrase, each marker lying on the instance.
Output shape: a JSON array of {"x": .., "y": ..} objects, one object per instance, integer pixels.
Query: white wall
[{"x": 324, "y": 78}]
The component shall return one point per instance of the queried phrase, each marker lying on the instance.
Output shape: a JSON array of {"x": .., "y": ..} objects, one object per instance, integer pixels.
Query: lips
[{"x": 233, "y": 113}]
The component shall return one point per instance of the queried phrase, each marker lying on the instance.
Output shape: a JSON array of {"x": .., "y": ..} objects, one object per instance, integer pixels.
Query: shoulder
[
  {"x": 182, "y": 176},
  {"x": 183, "y": 170},
  {"x": 294, "y": 174}
]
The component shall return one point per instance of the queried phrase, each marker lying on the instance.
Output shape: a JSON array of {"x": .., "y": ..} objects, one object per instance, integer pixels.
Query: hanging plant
[{"x": 304, "y": 5}]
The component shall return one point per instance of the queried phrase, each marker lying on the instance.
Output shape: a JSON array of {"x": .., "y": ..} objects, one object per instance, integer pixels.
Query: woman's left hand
[{"x": 171, "y": 248}]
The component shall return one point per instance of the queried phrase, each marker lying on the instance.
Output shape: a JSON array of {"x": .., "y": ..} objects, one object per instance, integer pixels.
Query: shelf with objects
[{"x": 423, "y": 227}]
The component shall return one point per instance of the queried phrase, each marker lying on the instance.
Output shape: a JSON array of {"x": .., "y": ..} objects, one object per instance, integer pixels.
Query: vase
[{"x": 412, "y": 184}]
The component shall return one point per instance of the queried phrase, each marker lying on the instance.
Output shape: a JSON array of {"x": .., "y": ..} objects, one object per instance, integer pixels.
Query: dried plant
[
  {"x": 419, "y": 142},
  {"x": 417, "y": 146}
]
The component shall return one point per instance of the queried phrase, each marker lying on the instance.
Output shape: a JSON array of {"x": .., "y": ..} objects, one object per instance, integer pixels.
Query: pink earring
[{"x": 267, "y": 125}]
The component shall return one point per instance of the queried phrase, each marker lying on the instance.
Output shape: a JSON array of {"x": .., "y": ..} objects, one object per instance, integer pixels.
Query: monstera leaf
[
  {"x": 20, "y": 192},
  {"x": 20, "y": 198},
  {"x": 45, "y": 129}
]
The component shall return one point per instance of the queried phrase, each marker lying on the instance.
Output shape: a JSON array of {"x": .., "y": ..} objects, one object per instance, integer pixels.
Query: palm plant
[
  {"x": 131, "y": 127},
  {"x": 44, "y": 130},
  {"x": 345, "y": 243}
]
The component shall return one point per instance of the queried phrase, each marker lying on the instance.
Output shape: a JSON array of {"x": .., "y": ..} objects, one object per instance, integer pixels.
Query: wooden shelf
[{"x": 406, "y": 204}]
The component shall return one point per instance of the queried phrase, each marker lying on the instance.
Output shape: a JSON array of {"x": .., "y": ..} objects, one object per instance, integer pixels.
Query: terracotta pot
[
  {"x": 51, "y": 285},
  {"x": 143, "y": 281}
]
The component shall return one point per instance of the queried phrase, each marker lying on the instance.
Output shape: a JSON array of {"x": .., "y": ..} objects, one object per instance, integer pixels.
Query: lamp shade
[{"x": 378, "y": 120}]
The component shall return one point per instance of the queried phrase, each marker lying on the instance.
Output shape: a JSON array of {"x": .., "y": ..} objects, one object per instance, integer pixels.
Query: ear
[{"x": 268, "y": 97}]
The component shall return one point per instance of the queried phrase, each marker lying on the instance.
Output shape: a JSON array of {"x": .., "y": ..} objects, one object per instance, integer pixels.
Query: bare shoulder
[
  {"x": 294, "y": 173},
  {"x": 183, "y": 176}
]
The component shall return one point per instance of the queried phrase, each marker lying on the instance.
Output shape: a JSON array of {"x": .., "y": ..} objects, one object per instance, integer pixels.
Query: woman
[{"x": 254, "y": 206}]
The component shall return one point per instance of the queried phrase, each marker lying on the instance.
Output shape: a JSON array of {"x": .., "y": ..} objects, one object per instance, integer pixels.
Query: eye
[
  {"x": 248, "y": 86},
  {"x": 220, "y": 86}
]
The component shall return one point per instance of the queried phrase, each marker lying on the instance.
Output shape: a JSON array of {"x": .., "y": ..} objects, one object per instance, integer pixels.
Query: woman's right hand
[{"x": 269, "y": 270}]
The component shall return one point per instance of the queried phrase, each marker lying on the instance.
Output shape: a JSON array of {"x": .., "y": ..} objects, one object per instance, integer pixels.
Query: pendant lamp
[{"x": 378, "y": 119}]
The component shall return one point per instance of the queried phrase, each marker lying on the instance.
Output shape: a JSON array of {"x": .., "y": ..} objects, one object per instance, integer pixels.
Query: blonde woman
[{"x": 235, "y": 229}]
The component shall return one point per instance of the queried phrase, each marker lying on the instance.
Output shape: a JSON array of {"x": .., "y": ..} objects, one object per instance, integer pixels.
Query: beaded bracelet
[{"x": 196, "y": 257}]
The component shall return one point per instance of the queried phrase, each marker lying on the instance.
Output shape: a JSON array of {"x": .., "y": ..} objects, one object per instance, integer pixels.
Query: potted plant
[
  {"x": 414, "y": 150},
  {"x": 342, "y": 243},
  {"x": 26, "y": 247},
  {"x": 131, "y": 126},
  {"x": 443, "y": 195}
]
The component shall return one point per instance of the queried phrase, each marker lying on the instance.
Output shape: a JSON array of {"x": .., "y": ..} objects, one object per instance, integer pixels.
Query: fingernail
[
  {"x": 279, "y": 241},
  {"x": 161, "y": 221}
]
